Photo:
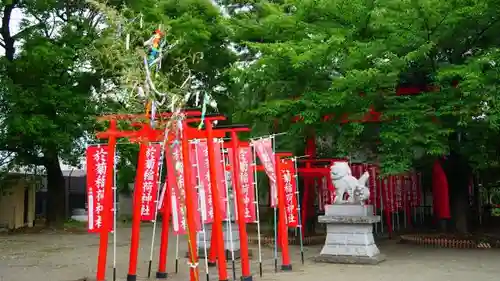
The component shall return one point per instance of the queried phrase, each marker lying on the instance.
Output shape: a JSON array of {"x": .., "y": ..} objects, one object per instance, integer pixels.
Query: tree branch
[
  {"x": 470, "y": 44},
  {"x": 28, "y": 29},
  {"x": 435, "y": 28}
]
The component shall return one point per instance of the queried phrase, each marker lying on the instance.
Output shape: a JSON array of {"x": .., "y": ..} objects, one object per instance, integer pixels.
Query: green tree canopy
[
  {"x": 69, "y": 63},
  {"x": 317, "y": 58}
]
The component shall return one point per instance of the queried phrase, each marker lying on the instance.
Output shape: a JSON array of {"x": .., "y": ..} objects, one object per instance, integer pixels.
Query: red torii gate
[
  {"x": 318, "y": 168},
  {"x": 112, "y": 134}
]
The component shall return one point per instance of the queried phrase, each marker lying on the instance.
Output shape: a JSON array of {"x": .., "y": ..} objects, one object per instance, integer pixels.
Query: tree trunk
[
  {"x": 56, "y": 187},
  {"x": 8, "y": 39},
  {"x": 458, "y": 174}
]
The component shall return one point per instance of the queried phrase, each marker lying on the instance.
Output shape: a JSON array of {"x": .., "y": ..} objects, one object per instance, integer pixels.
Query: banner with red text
[
  {"x": 415, "y": 190},
  {"x": 357, "y": 170},
  {"x": 406, "y": 190},
  {"x": 373, "y": 187},
  {"x": 149, "y": 186},
  {"x": 96, "y": 158},
  {"x": 246, "y": 174},
  {"x": 388, "y": 193},
  {"x": 205, "y": 187},
  {"x": 264, "y": 150},
  {"x": 221, "y": 176},
  {"x": 326, "y": 196},
  {"x": 176, "y": 182},
  {"x": 398, "y": 192},
  {"x": 290, "y": 185}
]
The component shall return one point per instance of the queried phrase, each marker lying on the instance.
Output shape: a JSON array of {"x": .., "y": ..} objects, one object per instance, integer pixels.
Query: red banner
[
  {"x": 175, "y": 180},
  {"x": 372, "y": 186},
  {"x": 264, "y": 149},
  {"x": 173, "y": 156},
  {"x": 415, "y": 190},
  {"x": 357, "y": 170},
  {"x": 149, "y": 186},
  {"x": 221, "y": 176},
  {"x": 203, "y": 172},
  {"x": 290, "y": 185},
  {"x": 247, "y": 183},
  {"x": 246, "y": 174},
  {"x": 388, "y": 190},
  {"x": 406, "y": 191},
  {"x": 96, "y": 157},
  {"x": 325, "y": 195},
  {"x": 398, "y": 193}
]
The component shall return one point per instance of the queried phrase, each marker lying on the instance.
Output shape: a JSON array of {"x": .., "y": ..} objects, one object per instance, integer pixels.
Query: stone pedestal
[
  {"x": 227, "y": 240},
  {"x": 349, "y": 237}
]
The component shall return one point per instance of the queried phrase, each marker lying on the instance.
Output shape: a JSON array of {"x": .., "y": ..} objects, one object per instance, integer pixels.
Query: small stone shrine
[{"x": 349, "y": 222}]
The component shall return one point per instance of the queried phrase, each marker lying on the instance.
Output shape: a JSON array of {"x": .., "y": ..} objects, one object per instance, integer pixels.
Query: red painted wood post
[
  {"x": 217, "y": 241},
  {"x": 245, "y": 264},
  {"x": 111, "y": 134},
  {"x": 136, "y": 214},
  {"x": 162, "y": 260},
  {"x": 190, "y": 209},
  {"x": 282, "y": 228}
]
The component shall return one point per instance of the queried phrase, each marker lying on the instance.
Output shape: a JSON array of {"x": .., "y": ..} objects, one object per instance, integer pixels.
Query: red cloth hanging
[{"x": 440, "y": 192}]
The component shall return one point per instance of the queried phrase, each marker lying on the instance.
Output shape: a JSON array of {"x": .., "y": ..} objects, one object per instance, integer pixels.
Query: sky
[
  {"x": 14, "y": 25},
  {"x": 16, "y": 18}
]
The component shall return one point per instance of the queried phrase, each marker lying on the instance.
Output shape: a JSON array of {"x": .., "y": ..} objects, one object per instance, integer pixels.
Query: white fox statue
[{"x": 344, "y": 182}]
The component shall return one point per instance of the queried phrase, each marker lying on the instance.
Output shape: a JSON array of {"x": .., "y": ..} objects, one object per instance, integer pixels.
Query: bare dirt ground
[{"x": 66, "y": 257}]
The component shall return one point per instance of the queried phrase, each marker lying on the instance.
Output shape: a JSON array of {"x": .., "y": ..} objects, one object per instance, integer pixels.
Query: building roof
[{"x": 74, "y": 173}]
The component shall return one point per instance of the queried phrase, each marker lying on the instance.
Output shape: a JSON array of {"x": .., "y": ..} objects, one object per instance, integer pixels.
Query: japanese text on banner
[
  {"x": 150, "y": 182},
  {"x": 247, "y": 183},
  {"x": 372, "y": 186},
  {"x": 221, "y": 177},
  {"x": 96, "y": 158},
  {"x": 398, "y": 193},
  {"x": 205, "y": 187},
  {"x": 176, "y": 182},
  {"x": 290, "y": 185},
  {"x": 388, "y": 194},
  {"x": 264, "y": 149},
  {"x": 415, "y": 189}
]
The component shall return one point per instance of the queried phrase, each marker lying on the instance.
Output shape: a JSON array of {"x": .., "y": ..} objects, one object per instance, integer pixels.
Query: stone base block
[
  {"x": 350, "y": 259},
  {"x": 349, "y": 237}
]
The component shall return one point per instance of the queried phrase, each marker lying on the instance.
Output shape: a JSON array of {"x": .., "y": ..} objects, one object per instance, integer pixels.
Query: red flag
[
  {"x": 246, "y": 181},
  {"x": 388, "y": 190},
  {"x": 149, "y": 186},
  {"x": 173, "y": 176},
  {"x": 204, "y": 192},
  {"x": 221, "y": 177},
  {"x": 418, "y": 189},
  {"x": 96, "y": 157},
  {"x": 398, "y": 195},
  {"x": 372, "y": 186},
  {"x": 407, "y": 190},
  {"x": 175, "y": 180},
  {"x": 264, "y": 149},
  {"x": 324, "y": 194},
  {"x": 357, "y": 170},
  {"x": 290, "y": 185}
]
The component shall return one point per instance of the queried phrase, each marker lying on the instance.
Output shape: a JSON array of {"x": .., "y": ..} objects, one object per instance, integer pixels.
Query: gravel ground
[{"x": 68, "y": 257}]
